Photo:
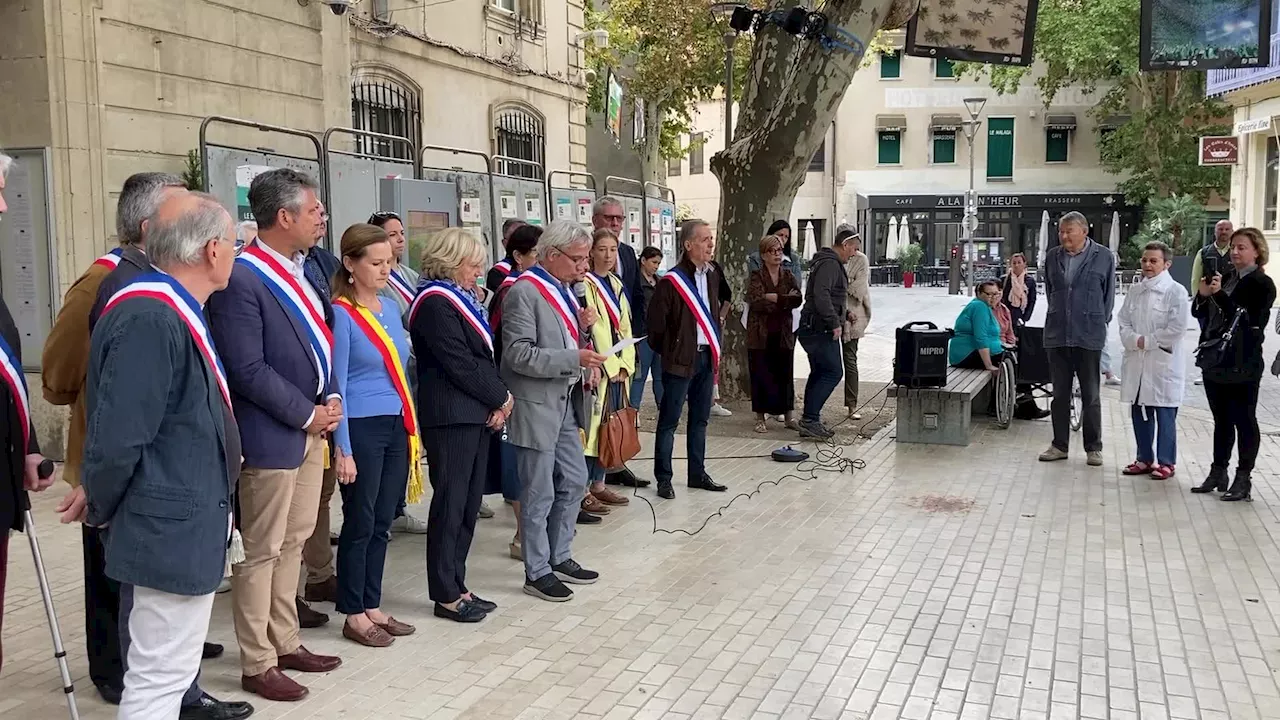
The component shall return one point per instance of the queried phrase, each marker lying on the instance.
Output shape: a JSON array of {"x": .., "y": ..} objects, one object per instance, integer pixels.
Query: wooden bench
[{"x": 942, "y": 415}]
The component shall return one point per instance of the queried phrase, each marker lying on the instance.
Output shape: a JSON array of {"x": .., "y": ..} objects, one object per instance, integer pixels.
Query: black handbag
[{"x": 1221, "y": 351}]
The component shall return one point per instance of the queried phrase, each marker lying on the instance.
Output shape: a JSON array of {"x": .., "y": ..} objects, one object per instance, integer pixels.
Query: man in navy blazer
[
  {"x": 162, "y": 453},
  {"x": 270, "y": 325}
]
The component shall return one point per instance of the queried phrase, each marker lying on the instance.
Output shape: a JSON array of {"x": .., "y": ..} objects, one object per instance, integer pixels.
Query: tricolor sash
[
  {"x": 362, "y": 318},
  {"x": 503, "y": 267},
  {"x": 612, "y": 307},
  {"x": 111, "y": 259},
  {"x": 402, "y": 288},
  {"x": 453, "y": 294},
  {"x": 687, "y": 289},
  {"x": 11, "y": 372},
  {"x": 509, "y": 280},
  {"x": 291, "y": 295},
  {"x": 164, "y": 288},
  {"x": 559, "y": 298}
]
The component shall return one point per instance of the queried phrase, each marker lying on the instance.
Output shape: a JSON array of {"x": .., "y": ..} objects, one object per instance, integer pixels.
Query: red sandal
[
  {"x": 1162, "y": 472},
  {"x": 1138, "y": 468}
]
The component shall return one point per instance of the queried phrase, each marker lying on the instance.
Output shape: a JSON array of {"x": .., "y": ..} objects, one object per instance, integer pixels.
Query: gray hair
[
  {"x": 6, "y": 162},
  {"x": 179, "y": 242},
  {"x": 244, "y": 229},
  {"x": 689, "y": 228},
  {"x": 1075, "y": 218},
  {"x": 604, "y": 202},
  {"x": 276, "y": 190},
  {"x": 139, "y": 199},
  {"x": 560, "y": 235}
]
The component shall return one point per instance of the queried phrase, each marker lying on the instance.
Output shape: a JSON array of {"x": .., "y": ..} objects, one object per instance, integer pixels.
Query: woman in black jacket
[
  {"x": 1232, "y": 385},
  {"x": 1018, "y": 290}
]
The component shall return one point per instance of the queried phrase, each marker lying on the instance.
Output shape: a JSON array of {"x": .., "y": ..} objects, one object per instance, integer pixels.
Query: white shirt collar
[{"x": 294, "y": 264}]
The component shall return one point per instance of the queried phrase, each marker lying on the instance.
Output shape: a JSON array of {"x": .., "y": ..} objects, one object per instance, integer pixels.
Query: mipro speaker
[{"x": 920, "y": 359}]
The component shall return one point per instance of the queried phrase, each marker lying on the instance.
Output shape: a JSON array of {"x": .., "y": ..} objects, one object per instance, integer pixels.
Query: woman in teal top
[{"x": 976, "y": 343}]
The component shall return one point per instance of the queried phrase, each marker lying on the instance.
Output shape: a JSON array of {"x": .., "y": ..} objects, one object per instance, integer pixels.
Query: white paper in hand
[{"x": 623, "y": 345}]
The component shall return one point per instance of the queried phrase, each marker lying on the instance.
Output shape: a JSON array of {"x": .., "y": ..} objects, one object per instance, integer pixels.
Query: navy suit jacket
[
  {"x": 161, "y": 455},
  {"x": 270, "y": 369},
  {"x": 458, "y": 383}
]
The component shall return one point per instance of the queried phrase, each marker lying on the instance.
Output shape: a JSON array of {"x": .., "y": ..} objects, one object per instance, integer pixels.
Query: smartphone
[{"x": 1210, "y": 267}]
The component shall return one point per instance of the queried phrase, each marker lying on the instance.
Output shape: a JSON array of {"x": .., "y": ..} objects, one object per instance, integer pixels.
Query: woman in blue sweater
[{"x": 976, "y": 344}]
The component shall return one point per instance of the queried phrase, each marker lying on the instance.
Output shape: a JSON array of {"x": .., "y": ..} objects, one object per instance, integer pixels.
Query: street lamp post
[
  {"x": 974, "y": 107},
  {"x": 730, "y": 37}
]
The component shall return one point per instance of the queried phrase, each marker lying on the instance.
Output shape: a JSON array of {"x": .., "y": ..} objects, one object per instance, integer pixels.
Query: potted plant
[{"x": 909, "y": 259}]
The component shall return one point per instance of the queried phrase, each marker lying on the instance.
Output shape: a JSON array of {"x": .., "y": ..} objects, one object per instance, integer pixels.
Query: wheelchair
[{"x": 1027, "y": 365}]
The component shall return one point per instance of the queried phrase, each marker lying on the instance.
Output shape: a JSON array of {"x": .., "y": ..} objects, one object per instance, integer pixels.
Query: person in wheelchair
[{"x": 984, "y": 333}]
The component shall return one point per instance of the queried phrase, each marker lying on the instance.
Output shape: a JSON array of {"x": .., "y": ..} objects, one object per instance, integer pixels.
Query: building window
[
  {"x": 944, "y": 68},
  {"x": 519, "y": 142},
  {"x": 673, "y": 167},
  {"x": 944, "y": 147},
  {"x": 891, "y": 65},
  {"x": 696, "y": 141},
  {"x": 1271, "y": 185},
  {"x": 1057, "y": 145},
  {"x": 1000, "y": 149},
  {"x": 508, "y": 5},
  {"x": 818, "y": 163},
  {"x": 889, "y": 147},
  {"x": 389, "y": 108}
]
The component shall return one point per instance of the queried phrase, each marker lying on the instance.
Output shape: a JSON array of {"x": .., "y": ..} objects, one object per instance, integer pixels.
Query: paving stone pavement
[{"x": 932, "y": 583}]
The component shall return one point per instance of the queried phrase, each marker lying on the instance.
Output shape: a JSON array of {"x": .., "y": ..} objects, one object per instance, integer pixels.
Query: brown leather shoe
[
  {"x": 303, "y": 660},
  {"x": 309, "y": 618},
  {"x": 395, "y": 628},
  {"x": 592, "y": 505},
  {"x": 609, "y": 497},
  {"x": 374, "y": 637},
  {"x": 323, "y": 591},
  {"x": 274, "y": 686}
]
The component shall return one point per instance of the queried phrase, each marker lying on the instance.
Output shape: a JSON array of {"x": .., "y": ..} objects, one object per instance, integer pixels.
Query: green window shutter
[
  {"x": 1056, "y": 144},
  {"x": 944, "y": 68},
  {"x": 889, "y": 147},
  {"x": 1000, "y": 149},
  {"x": 891, "y": 64},
  {"x": 944, "y": 148}
]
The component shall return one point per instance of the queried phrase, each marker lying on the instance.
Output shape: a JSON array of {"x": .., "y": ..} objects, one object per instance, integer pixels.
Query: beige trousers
[
  {"x": 277, "y": 515},
  {"x": 317, "y": 553}
]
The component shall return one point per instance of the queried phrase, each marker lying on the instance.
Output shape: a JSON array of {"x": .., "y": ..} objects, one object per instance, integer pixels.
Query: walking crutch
[{"x": 59, "y": 653}]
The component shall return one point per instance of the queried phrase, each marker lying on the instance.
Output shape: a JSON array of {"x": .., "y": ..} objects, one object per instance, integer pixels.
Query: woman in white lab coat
[{"x": 1153, "y": 327}]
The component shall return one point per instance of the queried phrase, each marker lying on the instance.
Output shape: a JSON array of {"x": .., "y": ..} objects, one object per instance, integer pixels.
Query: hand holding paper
[{"x": 624, "y": 344}]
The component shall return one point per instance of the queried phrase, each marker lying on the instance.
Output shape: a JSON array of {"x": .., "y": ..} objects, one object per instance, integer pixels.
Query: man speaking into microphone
[{"x": 550, "y": 375}]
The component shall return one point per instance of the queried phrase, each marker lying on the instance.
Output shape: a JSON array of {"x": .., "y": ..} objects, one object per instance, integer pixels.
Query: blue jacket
[
  {"x": 161, "y": 457},
  {"x": 975, "y": 328},
  {"x": 1078, "y": 312},
  {"x": 269, "y": 368}
]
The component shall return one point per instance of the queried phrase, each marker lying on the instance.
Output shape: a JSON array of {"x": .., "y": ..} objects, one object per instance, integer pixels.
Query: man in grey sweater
[{"x": 1079, "y": 282}]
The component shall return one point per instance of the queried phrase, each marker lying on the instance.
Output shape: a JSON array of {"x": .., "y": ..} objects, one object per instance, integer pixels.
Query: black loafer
[
  {"x": 211, "y": 651},
  {"x": 626, "y": 478},
  {"x": 467, "y": 612},
  {"x": 665, "y": 491},
  {"x": 483, "y": 604},
  {"x": 706, "y": 483},
  {"x": 586, "y": 518},
  {"x": 210, "y": 708},
  {"x": 110, "y": 695}
]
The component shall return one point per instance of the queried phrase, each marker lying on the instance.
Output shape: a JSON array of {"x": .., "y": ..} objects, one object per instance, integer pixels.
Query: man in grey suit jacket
[
  {"x": 162, "y": 452},
  {"x": 550, "y": 373}
]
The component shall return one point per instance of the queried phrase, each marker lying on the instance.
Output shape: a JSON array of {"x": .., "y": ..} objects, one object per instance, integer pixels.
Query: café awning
[
  {"x": 1063, "y": 121},
  {"x": 891, "y": 122},
  {"x": 949, "y": 123}
]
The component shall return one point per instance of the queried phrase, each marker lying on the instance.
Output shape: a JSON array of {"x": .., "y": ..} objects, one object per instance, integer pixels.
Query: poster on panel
[
  {"x": 1205, "y": 34},
  {"x": 1000, "y": 32}
]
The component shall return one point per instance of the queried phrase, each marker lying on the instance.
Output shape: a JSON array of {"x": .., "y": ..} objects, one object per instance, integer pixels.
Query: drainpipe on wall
[
  {"x": 1247, "y": 152},
  {"x": 835, "y": 153}
]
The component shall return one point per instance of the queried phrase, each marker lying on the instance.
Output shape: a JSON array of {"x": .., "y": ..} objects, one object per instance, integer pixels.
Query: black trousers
[
  {"x": 1235, "y": 414},
  {"x": 101, "y": 613},
  {"x": 1066, "y": 364},
  {"x": 457, "y": 463}
]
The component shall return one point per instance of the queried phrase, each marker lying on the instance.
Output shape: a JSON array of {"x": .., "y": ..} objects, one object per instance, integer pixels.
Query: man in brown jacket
[
  {"x": 65, "y": 371},
  {"x": 685, "y": 331},
  {"x": 856, "y": 317}
]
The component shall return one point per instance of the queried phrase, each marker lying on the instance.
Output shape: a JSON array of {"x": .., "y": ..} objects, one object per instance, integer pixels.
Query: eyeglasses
[
  {"x": 773, "y": 251},
  {"x": 615, "y": 218},
  {"x": 381, "y": 217}
]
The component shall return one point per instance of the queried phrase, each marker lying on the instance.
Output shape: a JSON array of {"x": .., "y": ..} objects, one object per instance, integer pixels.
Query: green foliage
[
  {"x": 193, "y": 173},
  {"x": 910, "y": 256},
  {"x": 1093, "y": 45},
  {"x": 1176, "y": 220}
]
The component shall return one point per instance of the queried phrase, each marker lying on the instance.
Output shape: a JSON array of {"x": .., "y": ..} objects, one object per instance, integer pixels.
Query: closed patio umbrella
[{"x": 891, "y": 240}]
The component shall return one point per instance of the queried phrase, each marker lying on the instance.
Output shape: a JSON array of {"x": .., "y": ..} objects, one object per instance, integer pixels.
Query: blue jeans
[
  {"x": 192, "y": 696},
  {"x": 826, "y": 368},
  {"x": 380, "y": 448},
  {"x": 1158, "y": 424},
  {"x": 698, "y": 389},
  {"x": 646, "y": 360}
]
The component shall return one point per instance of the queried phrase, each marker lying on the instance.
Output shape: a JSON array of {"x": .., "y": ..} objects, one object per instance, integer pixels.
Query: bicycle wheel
[
  {"x": 1006, "y": 393},
  {"x": 1077, "y": 407}
]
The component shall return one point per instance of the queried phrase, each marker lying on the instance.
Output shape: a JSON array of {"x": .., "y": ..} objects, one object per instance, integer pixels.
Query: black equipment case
[{"x": 920, "y": 358}]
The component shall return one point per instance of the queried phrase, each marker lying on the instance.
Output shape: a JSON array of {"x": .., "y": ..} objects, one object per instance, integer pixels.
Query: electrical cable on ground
[{"x": 829, "y": 457}]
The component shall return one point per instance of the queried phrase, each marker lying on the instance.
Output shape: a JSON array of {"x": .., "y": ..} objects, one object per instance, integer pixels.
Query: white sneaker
[
  {"x": 854, "y": 415},
  {"x": 409, "y": 524},
  {"x": 1113, "y": 381},
  {"x": 720, "y": 411},
  {"x": 224, "y": 586}
]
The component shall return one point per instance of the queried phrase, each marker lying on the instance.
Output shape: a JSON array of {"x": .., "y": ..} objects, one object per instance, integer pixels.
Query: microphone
[{"x": 580, "y": 292}]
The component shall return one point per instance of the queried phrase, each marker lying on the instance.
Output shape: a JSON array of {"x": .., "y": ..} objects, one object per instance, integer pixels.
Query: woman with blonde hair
[
  {"x": 772, "y": 295},
  {"x": 607, "y": 296},
  {"x": 1233, "y": 369},
  {"x": 376, "y": 443},
  {"x": 462, "y": 404}
]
